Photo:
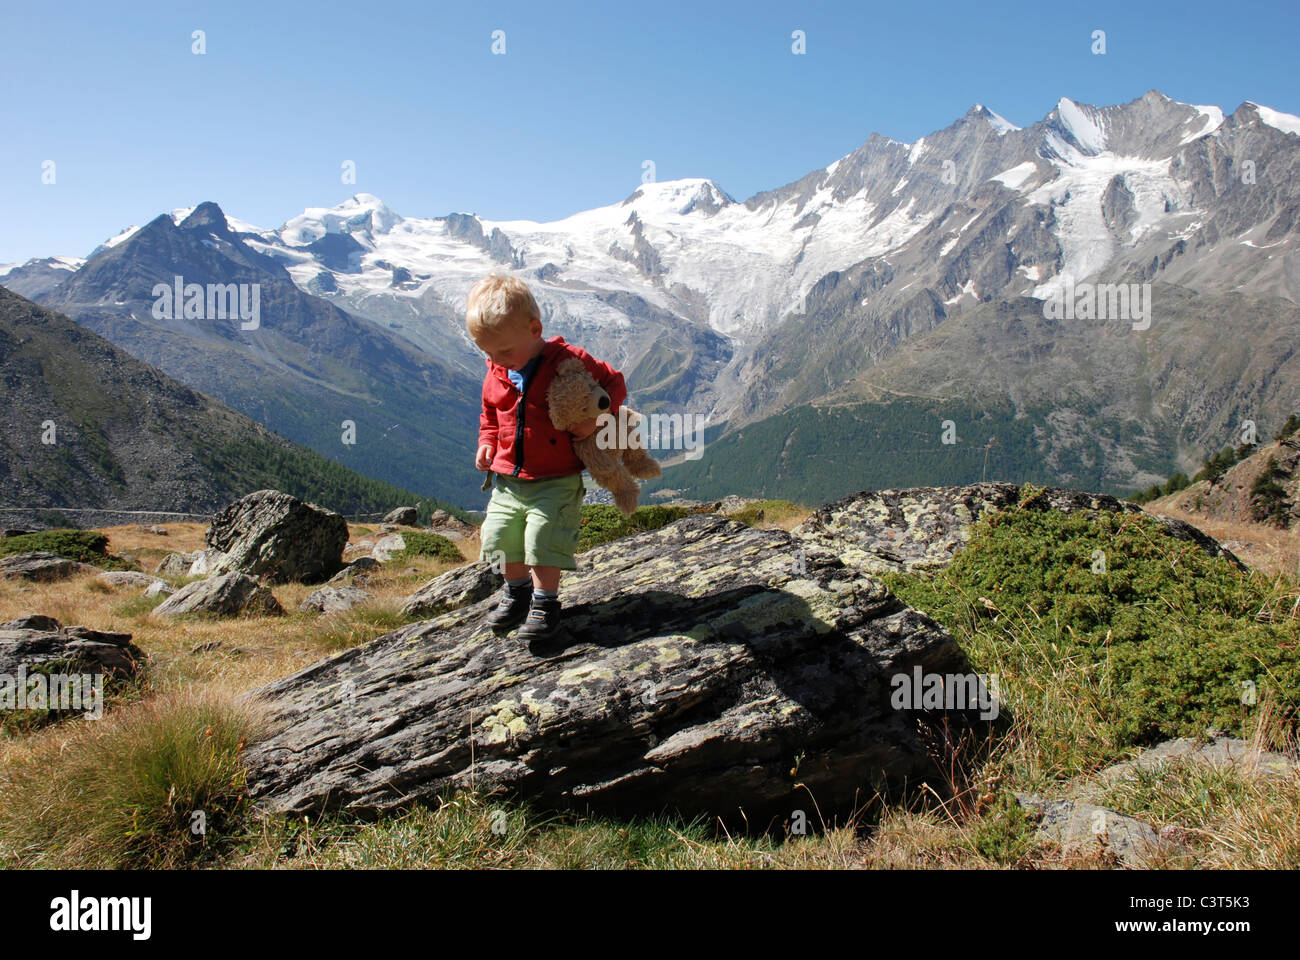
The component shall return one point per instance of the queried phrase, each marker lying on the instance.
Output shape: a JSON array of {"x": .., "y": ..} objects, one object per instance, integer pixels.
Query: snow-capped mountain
[
  {"x": 738, "y": 310},
  {"x": 979, "y": 210}
]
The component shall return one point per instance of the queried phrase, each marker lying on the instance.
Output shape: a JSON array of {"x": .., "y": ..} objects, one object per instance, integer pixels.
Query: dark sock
[
  {"x": 545, "y": 594},
  {"x": 515, "y": 586}
]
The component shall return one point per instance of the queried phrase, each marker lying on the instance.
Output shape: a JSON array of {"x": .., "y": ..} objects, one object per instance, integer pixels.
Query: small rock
[
  {"x": 226, "y": 594},
  {"x": 159, "y": 587},
  {"x": 41, "y": 566},
  {"x": 205, "y": 647},
  {"x": 175, "y": 564},
  {"x": 334, "y": 600},
  {"x": 388, "y": 528},
  {"x": 206, "y": 562},
  {"x": 126, "y": 578},
  {"x": 388, "y": 546},
  {"x": 358, "y": 568}
]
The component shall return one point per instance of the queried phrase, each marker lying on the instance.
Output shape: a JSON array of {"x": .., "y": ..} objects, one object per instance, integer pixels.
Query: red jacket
[{"x": 527, "y": 444}]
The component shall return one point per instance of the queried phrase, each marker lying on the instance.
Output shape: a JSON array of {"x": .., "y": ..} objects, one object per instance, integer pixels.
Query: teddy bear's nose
[{"x": 603, "y": 403}]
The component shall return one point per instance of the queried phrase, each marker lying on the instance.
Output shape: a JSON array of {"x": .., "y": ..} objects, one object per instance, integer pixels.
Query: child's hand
[
  {"x": 484, "y": 458},
  {"x": 584, "y": 429}
]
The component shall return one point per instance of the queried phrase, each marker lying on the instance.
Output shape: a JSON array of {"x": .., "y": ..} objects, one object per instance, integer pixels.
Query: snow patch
[
  {"x": 1015, "y": 177},
  {"x": 1286, "y": 122}
]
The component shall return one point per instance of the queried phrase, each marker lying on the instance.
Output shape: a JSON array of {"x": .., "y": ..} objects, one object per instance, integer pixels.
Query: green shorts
[{"x": 533, "y": 521}]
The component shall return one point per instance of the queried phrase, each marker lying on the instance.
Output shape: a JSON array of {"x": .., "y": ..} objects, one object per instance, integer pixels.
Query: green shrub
[
  {"x": 428, "y": 545},
  {"x": 1156, "y": 644},
  {"x": 84, "y": 546},
  {"x": 602, "y": 523}
]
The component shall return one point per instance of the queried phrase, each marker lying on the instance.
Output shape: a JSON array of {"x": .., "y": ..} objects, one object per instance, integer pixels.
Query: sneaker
[
  {"x": 512, "y": 609},
  {"x": 543, "y": 620}
]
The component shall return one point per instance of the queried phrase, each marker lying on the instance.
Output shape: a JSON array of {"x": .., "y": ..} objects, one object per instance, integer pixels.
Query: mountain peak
[
  {"x": 687, "y": 195},
  {"x": 208, "y": 215},
  {"x": 999, "y": 123}
]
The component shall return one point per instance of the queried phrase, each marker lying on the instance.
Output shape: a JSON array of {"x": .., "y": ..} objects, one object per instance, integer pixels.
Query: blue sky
[{"x": 411, "y": 93}]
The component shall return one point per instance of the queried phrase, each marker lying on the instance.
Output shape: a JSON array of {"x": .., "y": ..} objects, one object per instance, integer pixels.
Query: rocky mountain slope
[
  {"x": 302, "y": 367},
  {"x": 84, "y": 424},
  {"x": 1235, "y": 495}
]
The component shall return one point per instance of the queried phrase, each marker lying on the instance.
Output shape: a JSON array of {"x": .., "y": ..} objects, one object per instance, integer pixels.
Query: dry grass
[
  {"x": 1270, "y": 550},
  {"x": 1247, "y": 822}
]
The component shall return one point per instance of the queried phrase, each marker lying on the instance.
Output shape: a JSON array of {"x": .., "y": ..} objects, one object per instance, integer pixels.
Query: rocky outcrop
[
  {"x": 225, "y": 595},
  {"x": 923, "y": 528},
  {"x": 279, "y": 538},
  {"x": 334, "y": 600},
  {"x": 705, "y": 666},
  {"x": 41, "y": 566},
  {"x": 38, "y": 640},
  {"x": 405, "y": 516}
]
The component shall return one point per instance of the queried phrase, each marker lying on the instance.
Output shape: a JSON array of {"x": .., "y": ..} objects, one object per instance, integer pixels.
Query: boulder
[
  {"x": 334, "y": 600},
  {"x": 32, "y": 641},
  {"x": 923, "y": 528},
  {"x": 388, "y": 547},
  {"x": 126, "y": 578},
  {"x": 225, "y": 595},
  {"x": 706, "y": 667},
  {"x": 280, "y": 538},
  {"x": 158, "y": 587},
  {"x": 175, "y": 564},
  {"x": 405, "y": 516},
  {"x": 40, "y": 566}
]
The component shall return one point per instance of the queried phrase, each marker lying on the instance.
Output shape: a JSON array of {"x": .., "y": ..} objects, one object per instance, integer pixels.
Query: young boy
[{"x": 532, "y": 518}]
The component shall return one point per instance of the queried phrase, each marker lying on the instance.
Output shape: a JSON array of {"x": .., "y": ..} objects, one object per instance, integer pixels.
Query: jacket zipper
[{"x": 519, "y": 428}]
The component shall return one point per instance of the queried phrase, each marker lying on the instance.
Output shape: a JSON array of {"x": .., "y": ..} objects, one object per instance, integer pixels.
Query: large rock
[
  {"x": 40, "y": 566},
  {"x": 37, "y": 640},
  {"x": 225, "y": 595},
  {"x": 405, "y": 516},
  {"x": 705, "y": 666},
  {"x": 279, "y": 538},
  {"x": 923, "y": 528}
]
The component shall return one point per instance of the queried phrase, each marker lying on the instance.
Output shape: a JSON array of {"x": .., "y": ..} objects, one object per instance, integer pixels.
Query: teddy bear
[{"x": 575, "y": 396}]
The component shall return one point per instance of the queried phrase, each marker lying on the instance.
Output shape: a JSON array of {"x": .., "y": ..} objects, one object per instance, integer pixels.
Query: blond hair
[{"x": 497, "y": 303}]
